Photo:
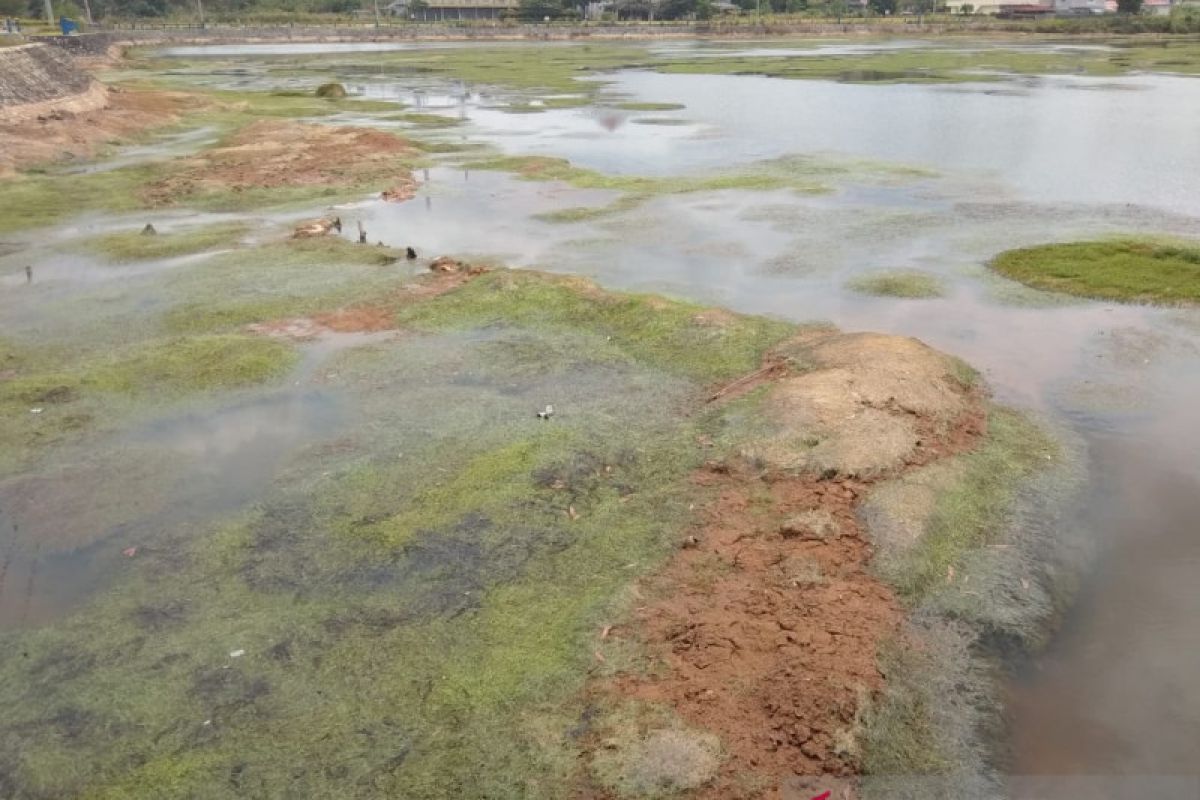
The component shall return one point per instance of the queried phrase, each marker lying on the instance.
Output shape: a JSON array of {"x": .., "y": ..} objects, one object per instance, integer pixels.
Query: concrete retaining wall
[
  {"x": 34, "y": 73},
  {"x": 38, "y": 80}
]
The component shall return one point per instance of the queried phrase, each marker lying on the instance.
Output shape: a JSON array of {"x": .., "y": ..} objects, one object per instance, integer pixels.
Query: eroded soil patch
[
  {"x": 64, "y": 134},
  {"x": 275, "y": 154},
  {"x": 765, "y": 628}
]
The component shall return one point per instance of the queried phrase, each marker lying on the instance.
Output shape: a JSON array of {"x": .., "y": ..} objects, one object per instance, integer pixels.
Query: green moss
[
  {"x": 973, "y": 510},
  {"x": 1128, "y": 270},
  {"x": 135, "y": 246},
  {"x": 898, "y": 283},
  {"x": 666, "y": 334}
]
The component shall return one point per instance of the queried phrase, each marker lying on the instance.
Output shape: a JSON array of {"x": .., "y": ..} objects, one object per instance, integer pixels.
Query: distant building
[
  {"x": 452, "y": 9},
  {"x": 1026, "y": 10},
  {"x": 1159, "y": 8},
  {"x": 1081, "y": 7}
]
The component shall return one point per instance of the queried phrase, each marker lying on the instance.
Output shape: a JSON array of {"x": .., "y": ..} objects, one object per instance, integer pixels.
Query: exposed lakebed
[{"x": 932, "y": 178}]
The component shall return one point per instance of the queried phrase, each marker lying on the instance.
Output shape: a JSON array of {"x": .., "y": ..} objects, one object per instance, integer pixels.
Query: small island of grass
[
  {"x": 1126, "y": 270},
  {"x": 898, "y": 283}
]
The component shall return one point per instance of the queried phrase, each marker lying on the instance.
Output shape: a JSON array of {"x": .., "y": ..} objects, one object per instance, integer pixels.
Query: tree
[
  {"x": 12, "y": 8},
  {"x": 1129, "y": 6},
  {"x": 540, "y": 9},
  {"x": 966, "y": 8},
  {"x": 676, "y": 9},
  {"x": 882, "y": 7}
]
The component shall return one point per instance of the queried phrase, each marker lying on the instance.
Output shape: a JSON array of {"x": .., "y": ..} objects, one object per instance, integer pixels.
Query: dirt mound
[
  {"x": 70, "y": 130},
  {"x": 865, "y": 404},
  {"x": 272, "y": 154},
  {"x": 765, "y": 627},
  {"x": 769, "y": 638}
]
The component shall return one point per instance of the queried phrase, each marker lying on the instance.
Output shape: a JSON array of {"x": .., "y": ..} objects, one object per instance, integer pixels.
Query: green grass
[
  {"x": 427, "y": 120},
  {"x": 1126, "y": 270},
  {"x": 898, "y": 730},
  {"x": 73, "y": 393},
  {"x": 133, "y": 245},
  {"x": 898, "y": 283},
  {"x": 35, "y": 200},
  {"x": 288, "y": 278},
  {"x": 797, "y": 173},
  {"x": 418, "y": 609},
  {"x": 167, "y": 367},
  {"x": 972, "y": 511},
  {"x": 638, "y": 106},
  {"x": 661, "y": 333}
]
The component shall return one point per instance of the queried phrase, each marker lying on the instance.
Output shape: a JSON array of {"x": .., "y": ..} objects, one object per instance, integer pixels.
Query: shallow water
[{"x": 1018, "y": 162}]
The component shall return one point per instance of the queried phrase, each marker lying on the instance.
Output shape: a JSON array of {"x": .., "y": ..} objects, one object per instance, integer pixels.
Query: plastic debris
[
  {"x": 547, "y": 414},
  {"x": 129, "y": 552},
  {"x": 35, "y": 411},
  {"x": 236, "y": 653}
]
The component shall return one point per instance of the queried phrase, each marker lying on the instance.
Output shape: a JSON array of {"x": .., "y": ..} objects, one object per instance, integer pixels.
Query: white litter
[{"x": 237, "y": 653}]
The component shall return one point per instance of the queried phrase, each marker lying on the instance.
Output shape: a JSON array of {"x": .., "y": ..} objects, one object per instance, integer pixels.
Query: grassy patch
[
  {"x": 635, "y": 106},
  {"x": 55, "y": 396},
  {"x": 428, "y": 120},
  {"x": 899, "y": 733},
  {"x": 179, "y": 365},
  {"x": 898, "y": 283},
  {"x": 416, "y": 608},
  {"x": 666, "y": 334},
  {"x": 797, "y": 173},
  {"x": 1128, "y": 270},
  {"x": 136, "y": 246},
  {"x": 649, "y": 753},
  {"x": 36, "y": 200},
  {"x": 289, "y": 278},
  {"x": 973, "y": 509}
]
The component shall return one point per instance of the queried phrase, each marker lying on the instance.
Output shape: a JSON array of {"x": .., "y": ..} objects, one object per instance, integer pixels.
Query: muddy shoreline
[{"x": 722, "y": 512}]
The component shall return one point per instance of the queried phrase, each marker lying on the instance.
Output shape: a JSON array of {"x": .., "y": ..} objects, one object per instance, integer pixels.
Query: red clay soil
[
  {"x": 272, "y": 154},
  {"x": 65, "y": 134},
  {"x": 768, "y": 621},
  {"x": 369, "y": 317}
]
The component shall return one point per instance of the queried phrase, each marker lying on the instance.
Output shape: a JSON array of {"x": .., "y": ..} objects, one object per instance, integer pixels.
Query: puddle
[
  {"x": 63, "y": 529},
  {"x": 170, "y": 146}
]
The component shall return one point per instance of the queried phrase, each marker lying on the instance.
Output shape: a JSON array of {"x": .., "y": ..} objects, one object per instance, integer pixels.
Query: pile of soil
[
  {"x": 278, "y": 153},
  {"x": 766, "y": 625},
  {"x": 76, "y": 128}
]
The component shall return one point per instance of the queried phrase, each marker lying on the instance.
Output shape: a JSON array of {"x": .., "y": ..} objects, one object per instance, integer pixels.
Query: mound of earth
[
  {"x": 866, "y": 404},
  {"x": 765, "y": 627},
  {"x": 272, "y": 154},
  {"x": 78, "y": 131}
]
